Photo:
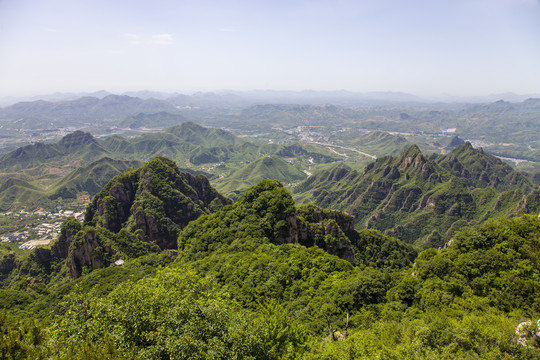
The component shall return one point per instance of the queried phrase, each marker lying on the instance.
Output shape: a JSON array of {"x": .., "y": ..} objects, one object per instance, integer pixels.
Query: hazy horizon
[
  {"x": 421, "y": 47},
  {"x": 276, "y": 93}
]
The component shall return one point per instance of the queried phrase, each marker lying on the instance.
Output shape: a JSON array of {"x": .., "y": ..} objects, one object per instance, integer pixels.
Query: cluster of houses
[
  {"x": 15, "y": 237},
  {"x": 43, "y": 232}
]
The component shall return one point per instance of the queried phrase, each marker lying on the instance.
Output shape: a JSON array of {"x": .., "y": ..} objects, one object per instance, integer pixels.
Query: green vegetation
[
  {"x": 90, "y": 179},
  {"x": 165, "y": 267},
  {"x": 17, "y": 193},
  {"x": 424, "y": 200},
  {"x": 80, "y": 163},
  {"x": 267, "y": 167},
  {"x": 240, "y": 289},
  {"x": 502, "y": 128}
]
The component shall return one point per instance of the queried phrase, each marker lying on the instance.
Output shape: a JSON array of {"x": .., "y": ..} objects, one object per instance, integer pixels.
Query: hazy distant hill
[
  {"x": 49, "y": 115},
  {"x": 75, "y": 146},
  {"x": 287, "y": 116},
  {"x": 188, "y": 144},
  {"x": 178, "y": 140},
  {"x": 157, "y": 120},
  {"x": 503, "y": 128},
  {"x": 187, "y": 141},
  {"x": 423, "y": 200},
  {"x": 504, "y": 121}
]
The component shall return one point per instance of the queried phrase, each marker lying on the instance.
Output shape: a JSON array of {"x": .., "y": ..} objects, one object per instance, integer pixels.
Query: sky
[{"x": 422, "y": 47}]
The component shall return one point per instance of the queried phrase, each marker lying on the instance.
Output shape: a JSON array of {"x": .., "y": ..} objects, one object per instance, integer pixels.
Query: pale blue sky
[{"x": 424, "y": 47}]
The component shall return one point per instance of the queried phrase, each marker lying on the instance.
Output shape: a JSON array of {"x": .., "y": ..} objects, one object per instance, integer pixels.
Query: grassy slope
[{"x": 267, "y": 167}]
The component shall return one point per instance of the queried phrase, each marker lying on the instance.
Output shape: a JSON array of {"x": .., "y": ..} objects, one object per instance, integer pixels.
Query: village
[{"x": 38, "y": 227}]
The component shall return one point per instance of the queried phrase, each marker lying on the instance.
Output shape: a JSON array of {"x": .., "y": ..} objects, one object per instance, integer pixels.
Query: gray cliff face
[
  {"x": 88, "y": 252},
  {"x": 154, "y": 202},
  {"x": 46, "y": 257},
  {"x": 324, "y": 228},
  {"x": 70, "y": 228}
]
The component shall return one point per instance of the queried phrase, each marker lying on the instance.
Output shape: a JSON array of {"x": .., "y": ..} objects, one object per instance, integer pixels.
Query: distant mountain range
[
  {"x": 234, "y": 98},
  {"x": 504, "y": 128},
  {"x": 79, "y": 112}
]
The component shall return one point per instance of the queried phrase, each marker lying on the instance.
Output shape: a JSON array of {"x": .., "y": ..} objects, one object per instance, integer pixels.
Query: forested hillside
[
  {"x": 263, "y": 278},
  {"x": 424, "y": 200},
  {"x": 270, "y": 180}
]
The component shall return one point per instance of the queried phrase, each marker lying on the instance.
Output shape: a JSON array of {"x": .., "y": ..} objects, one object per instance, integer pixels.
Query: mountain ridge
[{"x": 412, "y": 197}]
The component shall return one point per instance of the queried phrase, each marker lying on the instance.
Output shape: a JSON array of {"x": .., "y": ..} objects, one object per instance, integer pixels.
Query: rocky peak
[
  {"x": 77, "y": 138},
  {"x": 157, "y": 200},
  {"x": 326, "y": 229},
  {"x": 411, "y": 158},
  {"x": 482, "y": 169}
]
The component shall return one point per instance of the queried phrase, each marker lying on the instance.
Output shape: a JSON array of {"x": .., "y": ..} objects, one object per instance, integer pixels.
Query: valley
[
  {"x": 274, "y": 231},
  {"x": 295, "y": 144}
]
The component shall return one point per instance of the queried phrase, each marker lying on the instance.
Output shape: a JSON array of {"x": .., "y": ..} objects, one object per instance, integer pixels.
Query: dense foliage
[
  {"x": 424, "y": 200},
  {"x": 262, "y": 278},
  {"x": 271, "y": 301}
]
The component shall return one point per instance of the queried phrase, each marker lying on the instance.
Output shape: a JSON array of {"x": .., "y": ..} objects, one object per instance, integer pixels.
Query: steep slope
[
  {"x": 270, "y": 301},
  {"x": 187, "y": 143},
  {"x": 139, "y": 211},
  {"x": 481, "y": 169},
  {"x": 17, "y": 192},
  {"x": 421, "y": 200},
  {"x": 149, "y": 209},
  {"x": 266, "y": 213},
  {"x": 154, "y": 202}
]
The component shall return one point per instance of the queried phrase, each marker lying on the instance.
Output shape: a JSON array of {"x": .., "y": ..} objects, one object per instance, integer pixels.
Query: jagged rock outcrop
[
  {"x": 266, "y": 212},
  {"x": 138, "y": 211},
  {"x": 326, "y": 229},
  {"x": 87, "y": 252},
  {"x": 481, "y": 169},
  {"x": 410, "y": 196},
  {"x": 528, "y": 334},
  {"x": 155, "y": 202},
  {"x": 70, "y": 228},
  {"x": 45, "y": 258}
]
